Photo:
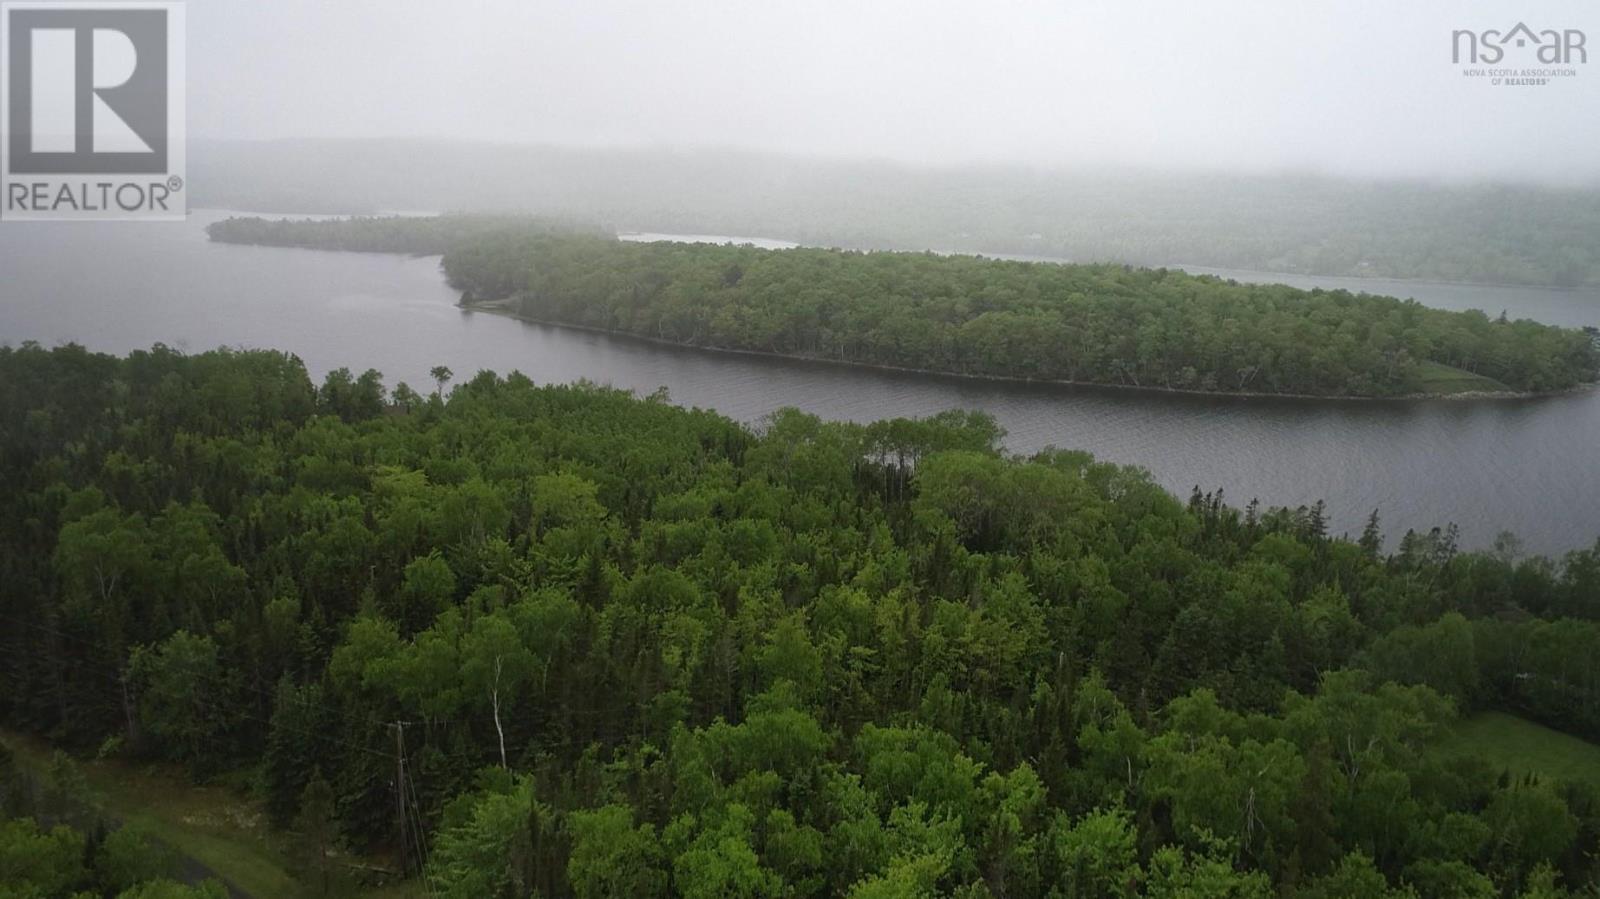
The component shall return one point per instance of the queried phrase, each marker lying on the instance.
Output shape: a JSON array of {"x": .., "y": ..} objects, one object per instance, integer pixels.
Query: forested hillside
[
  {"x": 1102, "y": 324},
  {"x": 1391, "y": 228},
  {"x": 622, "y": 648}
]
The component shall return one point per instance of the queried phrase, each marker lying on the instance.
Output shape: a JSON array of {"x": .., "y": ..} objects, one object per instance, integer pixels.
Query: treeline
[
  {"x": 647, "y": 651},
  {"x": 1104, "y": 324},
  {"x": 1487, "y": 233},
  {"x": 415, "y": 235}
]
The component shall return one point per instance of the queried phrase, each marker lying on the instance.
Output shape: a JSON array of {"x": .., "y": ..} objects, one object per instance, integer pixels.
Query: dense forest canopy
[
  {"x": 1486, "y": 233},
  {"x": 647, "y": 651},
  {"x": 1104, "y": 324}
]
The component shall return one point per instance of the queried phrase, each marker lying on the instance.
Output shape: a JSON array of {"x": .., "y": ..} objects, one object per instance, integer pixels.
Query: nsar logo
[{"x": 1488, "y": 47}]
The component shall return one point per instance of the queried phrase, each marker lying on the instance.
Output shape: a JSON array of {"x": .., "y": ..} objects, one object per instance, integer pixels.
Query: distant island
[{"x": 1116, "y": 325}]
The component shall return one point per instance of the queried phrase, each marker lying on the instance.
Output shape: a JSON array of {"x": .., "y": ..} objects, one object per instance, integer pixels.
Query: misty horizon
[
  {"x": 693, "y": 152},
  {"x": 1237, "y": 88}
]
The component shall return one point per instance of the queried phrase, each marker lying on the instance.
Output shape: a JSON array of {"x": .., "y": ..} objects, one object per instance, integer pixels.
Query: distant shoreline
[
  {"x": 419, "y": 238},
  {"x": 501, "y": 308},
  {"x": 625, "y": 234},
  {"x": 1395, "y": 279}
]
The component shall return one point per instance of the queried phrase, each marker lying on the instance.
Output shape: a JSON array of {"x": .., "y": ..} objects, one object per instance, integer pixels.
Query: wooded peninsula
[{"x": 973, "y": 316}]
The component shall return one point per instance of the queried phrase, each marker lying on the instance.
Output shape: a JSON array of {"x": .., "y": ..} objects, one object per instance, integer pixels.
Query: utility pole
[{"x": 399, "y": 728}]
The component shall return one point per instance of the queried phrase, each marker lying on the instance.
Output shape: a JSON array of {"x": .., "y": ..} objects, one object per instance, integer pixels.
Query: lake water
[
  {"x": 765, "y": 243},
  {"x": 1528, "y": 466}
]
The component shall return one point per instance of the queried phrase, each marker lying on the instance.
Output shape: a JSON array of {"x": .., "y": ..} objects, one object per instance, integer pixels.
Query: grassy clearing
[
  {"x": 213, "y": 825},
  {"x": 1523, "y": 747},
  {"x": 1434, "y": 377}
]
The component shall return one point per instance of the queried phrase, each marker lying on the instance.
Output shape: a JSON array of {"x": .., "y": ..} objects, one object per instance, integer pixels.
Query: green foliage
[
  {"x": 1355, "y": 876},
  {"x": 1529, "y": 825},
  {"x": 644, "y": 650},
  {"x": 1096, "y": 855},
  {"x": 168, "y": 889},
  {"x": 416, "y": 235},
  {"x": 35, "y": 862},
  {"x": 1176, "y": 874},
  {"x": 130, "y": 856},
  {"x": 486, "y": 848},
  {"x": 185, "y": 697},
  {"x": 964, "y": 315},
  {"x": 716, "y": 861},
  {"x": 318, "y": 827},
  {"x": 611, "y": 857},
  {"x": 64, "y": 863},
  {"x": 1440, "y": 655}
]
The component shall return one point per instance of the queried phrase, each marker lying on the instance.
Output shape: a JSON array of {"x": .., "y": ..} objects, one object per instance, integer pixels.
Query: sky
[{"x": 1345, "y": 87}]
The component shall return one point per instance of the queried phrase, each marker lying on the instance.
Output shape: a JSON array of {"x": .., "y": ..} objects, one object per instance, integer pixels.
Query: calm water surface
[{"x": 1529, "y": 466}]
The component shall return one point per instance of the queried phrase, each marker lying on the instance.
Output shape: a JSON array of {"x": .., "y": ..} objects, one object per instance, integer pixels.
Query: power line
[
  {"x": 399, "y": 730},
  {"x": 419, "y": 833}
]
